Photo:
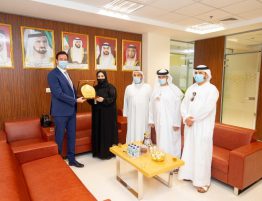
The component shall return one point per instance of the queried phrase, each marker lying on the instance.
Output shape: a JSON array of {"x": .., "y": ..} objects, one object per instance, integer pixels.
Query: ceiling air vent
[{"x": 229, "y": 19}]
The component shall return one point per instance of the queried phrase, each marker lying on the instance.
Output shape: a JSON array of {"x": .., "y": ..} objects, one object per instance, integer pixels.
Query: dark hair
[{"x": 61, "y": 53}]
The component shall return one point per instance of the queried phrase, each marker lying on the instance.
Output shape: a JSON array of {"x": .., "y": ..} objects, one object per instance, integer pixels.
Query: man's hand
[
  {"x": 151, "y": 125},
  {"x": 175, "y": 128},
  {"x": 80, "y": 100},
  {"x": 189, "y": 121},
  {"x": 99, "y": 99}
]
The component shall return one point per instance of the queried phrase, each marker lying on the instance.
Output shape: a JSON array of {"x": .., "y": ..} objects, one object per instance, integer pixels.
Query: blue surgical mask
[
  {"x": 162, "y": 81},
  {"x": 62, "y": 64},
  {"x": 137, "y": 80},
  {"x": 199, "y": 78}
]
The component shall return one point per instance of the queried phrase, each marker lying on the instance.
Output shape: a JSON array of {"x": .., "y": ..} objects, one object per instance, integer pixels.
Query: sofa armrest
[
  {"x": 122, "y": 123},
  {"x": 37, "y": 151},
  {"x": 245, "y": 165},
  {"x": 48, "y": 133},
  {"x": 2, "y": 136}
]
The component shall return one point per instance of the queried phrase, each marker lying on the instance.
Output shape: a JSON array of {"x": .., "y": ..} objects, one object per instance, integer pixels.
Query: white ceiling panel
[
  {"x": 172, "y": 17},
  {"x": 99, "y": 3},
  {"x": 149, "y": 11},
  {"x": 194, "y": 9},
  {"x": 251, "y": 14},
  {"x": 190, "y": 22},
  {"x": 244, "y": 6},
  {"x": 171, "y": 5},
  {"x": 145, "y": 2},
  {"x": 216, "y": 14},
  {"x": 219, "y": 3},
  {"x": 152, "y": 17}
]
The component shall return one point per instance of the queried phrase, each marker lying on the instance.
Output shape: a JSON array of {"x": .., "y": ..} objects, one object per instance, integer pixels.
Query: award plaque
[{"x": 85, "y": 88}]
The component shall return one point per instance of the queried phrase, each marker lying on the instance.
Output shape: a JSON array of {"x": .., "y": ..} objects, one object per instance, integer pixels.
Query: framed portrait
[
  {"x": 77, "y": 47},
  {"x": 38, "y": 48},
  {"x": 105, "y": 53},
  {"x": 6, "y": 46},
  {"x": 131, "y": 55}
]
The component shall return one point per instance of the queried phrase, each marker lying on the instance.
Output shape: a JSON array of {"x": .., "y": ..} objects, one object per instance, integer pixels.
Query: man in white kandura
[
  {"x": 136, "y": 104},
  {"x": 106, "y": 58},
  {"x": 198, "y": 111},
  {"x": 4, "y": 57},
  {"x": 164, "y": 114},
  {"x": 77, "y": 53},
  {"x": 38, "y": 51}
]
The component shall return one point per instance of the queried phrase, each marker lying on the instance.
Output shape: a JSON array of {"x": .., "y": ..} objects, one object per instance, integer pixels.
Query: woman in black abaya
[{"x": 104, "y": 117}]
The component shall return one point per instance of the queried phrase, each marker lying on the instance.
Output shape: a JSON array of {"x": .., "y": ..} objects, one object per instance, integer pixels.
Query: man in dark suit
[{"x": 64, "y": 106}]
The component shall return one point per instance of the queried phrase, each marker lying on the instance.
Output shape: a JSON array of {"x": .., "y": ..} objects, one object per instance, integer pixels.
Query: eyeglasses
[{"x": 193, "y": 97}]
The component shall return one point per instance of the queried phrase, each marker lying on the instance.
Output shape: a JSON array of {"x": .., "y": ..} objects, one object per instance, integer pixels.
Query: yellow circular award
[{"x": 88, "y": 91}]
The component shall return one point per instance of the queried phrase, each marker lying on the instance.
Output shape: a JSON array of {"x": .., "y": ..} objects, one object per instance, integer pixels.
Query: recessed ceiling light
[
  {"x": 123, "y": 6},
  {"x": 113, "y": 14},
  {"x": 233, "y": 39},
  {"x": 205, "y": 28}
]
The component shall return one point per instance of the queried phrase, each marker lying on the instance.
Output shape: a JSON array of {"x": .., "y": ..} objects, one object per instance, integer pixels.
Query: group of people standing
[{"x": 162, "y": 108}]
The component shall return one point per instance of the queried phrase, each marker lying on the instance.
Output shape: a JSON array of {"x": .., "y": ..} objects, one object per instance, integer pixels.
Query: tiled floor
[{"x": 99, "y": 177}]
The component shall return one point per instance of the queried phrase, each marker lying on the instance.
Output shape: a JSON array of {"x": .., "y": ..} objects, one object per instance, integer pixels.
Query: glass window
[
  {"x": 241, "y": 79},
  {"x": 181, "y": 63}
]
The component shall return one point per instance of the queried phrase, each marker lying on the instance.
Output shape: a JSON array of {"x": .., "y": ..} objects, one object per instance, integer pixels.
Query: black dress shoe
[{"x": 76, "y": 164}]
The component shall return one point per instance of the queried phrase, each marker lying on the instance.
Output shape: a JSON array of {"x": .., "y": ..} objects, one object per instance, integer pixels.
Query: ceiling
[
  {"x": 170, "y": 17},
  {"x": 245, "y": 42}
]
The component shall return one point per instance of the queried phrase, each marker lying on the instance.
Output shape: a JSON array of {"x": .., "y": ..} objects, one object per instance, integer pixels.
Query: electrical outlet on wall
[{"x": 47, "y": 90}]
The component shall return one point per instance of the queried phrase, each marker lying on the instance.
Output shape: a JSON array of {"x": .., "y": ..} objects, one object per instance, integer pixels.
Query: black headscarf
[{"x": 105, "y": 83}]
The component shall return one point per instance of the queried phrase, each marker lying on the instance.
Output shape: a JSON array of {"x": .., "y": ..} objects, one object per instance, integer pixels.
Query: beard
[{"x": 41, "y": 50}]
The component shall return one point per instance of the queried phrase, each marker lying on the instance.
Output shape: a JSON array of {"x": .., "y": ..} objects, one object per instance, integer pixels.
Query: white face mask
[
  {"x": 137, "y": 80},
  {"x": 62, "y": 64},
  {"x": 162, "y": 81}
]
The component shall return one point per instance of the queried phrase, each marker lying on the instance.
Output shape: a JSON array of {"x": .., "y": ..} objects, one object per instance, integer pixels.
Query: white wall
[{"x": 156, "y": 55}]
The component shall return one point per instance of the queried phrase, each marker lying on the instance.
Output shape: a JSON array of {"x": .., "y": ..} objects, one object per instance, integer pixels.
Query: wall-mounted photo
[
  {"x": 77, "y": 46},
  {"x": 106, "y": 53},
  {"x": 131, "y": 55},
  {"x": 6, "y": 49},
  {"x": 38, "y": 48}
]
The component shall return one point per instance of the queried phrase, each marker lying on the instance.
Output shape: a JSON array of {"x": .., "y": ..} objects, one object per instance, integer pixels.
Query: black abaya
[{"x": 104, "y": 121}]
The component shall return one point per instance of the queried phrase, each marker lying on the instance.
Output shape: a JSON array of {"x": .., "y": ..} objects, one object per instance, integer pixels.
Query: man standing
[
  {"x": 136, "y": 104},
  {"x": 106, "y": 59},
  {"x": 63, "y": 106},
  {"x": 38, "y": 52},
  {"x": 198, "y": 111},
  {"x": 164, "y": 114}
]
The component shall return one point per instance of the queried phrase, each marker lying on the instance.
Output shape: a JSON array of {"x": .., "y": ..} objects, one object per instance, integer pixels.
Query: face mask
[
  {"x": 62, "y": 64},
  {"x": 199, "y": 78},
  {"x": 100, "y": 81},
  {"x": 162, "y": 81},
  {"x": 137, "y": 80}
]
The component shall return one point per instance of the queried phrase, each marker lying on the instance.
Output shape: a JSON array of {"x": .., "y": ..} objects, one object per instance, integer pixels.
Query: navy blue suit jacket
[{"x": 63, "y": 100}]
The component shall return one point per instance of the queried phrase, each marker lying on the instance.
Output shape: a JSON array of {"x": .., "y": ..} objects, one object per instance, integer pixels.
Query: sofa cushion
[
  {"x": 58, "y": 182},
  {"x": 231, "y": 137},
  {"x": 83, "y": 133},
  {"x": 83, "y": 121},
  {"x": 220, "y": 159},
  {"x": 22, "y": 143},
  {"x": 20, "y": 130},
  {"x": 12, "y": 184}
]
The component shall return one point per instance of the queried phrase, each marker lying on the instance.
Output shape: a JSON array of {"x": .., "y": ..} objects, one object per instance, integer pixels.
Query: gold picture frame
[
  {"x": 6, "y": 46},
  {"x": 38, "y": 48},
  {"x": 131, "y": 55},
  {"x": 76, "y": 45},
  {"x": 103, "y": 61}
]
